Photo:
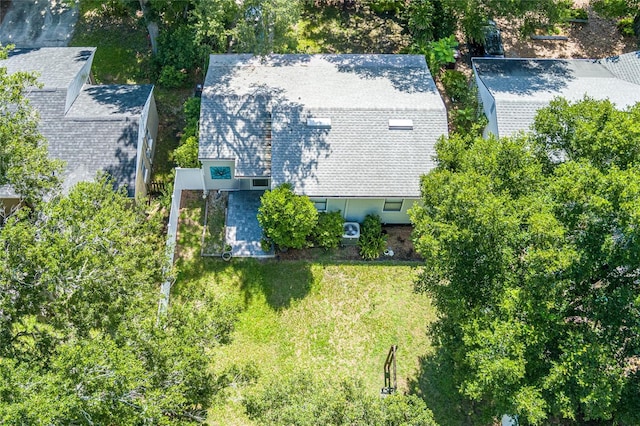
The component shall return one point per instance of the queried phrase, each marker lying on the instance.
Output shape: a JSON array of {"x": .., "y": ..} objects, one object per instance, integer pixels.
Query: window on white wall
[
  {"x": 260, "y": 183},
  {"x": 320, "y": 204},
  {"x": 392, "y": 205}
]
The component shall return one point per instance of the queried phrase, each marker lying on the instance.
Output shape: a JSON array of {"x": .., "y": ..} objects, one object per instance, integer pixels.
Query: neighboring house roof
[
  {"x": 625, "y": 66},
  {"x": 56, "y": 66},
  {"x": 520, "y": 87},
  {"x": 255, "y": 111},
  {"x": 99, "y": 131}
]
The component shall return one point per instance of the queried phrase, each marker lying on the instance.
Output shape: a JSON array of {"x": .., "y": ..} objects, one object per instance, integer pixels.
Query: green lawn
[
  {"x": 333, "y": 321},
  {"x": 124, "y": 52}
]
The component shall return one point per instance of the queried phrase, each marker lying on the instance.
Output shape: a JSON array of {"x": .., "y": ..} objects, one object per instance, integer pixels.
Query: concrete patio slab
[{"x": 243, "y": 232}]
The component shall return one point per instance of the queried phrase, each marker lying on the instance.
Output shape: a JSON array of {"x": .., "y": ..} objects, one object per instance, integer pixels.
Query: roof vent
[
  {"x": 320, "y": 123},
  {"x": 400, "y": 124}
]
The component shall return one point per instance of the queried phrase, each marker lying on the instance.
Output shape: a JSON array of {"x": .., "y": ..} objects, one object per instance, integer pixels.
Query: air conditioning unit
[{"x": 351, "y": 233}]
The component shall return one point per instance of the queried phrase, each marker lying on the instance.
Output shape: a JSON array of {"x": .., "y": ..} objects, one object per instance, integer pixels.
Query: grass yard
[
  {"x": 334, "y": 321},
  {"x": 124, "y": 52}
]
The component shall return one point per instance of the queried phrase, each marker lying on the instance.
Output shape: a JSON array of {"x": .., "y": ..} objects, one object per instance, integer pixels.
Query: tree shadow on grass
[
  {"x": 435, "y": 383},
  {"x": 281, "y": 283}
]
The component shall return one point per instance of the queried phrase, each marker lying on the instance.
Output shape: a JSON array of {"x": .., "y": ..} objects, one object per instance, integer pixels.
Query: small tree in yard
[{"x": 286, "y": 219}]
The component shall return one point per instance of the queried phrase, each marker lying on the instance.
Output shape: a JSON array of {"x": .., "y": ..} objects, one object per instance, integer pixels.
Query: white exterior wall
[
  {"x": 186, "y": 179},
  {"x": 76, "y": 85},
  {"x": 488, "y": 106},
  {"x": 229, "y": 184},
  {"x": 355, "y": 209}
]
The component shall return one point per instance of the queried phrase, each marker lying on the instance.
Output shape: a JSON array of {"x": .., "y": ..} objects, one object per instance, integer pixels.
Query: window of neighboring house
[
  {"x": 259, "y": 183},
  {"x": 149, "y": 142},
  {"x": 145, "y": 172},
  {"x": 392, "y": 205},
  {"x": 320, "y": 204}
]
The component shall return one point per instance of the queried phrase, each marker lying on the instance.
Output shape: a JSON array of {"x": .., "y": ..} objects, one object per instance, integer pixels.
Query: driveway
[{"x": 43, "y": 23}]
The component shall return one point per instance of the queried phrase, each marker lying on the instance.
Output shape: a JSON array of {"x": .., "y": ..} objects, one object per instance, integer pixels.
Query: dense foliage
[
  {"x": 532, "y": 256},
  {"x": 287, "y": 219},
  {"x": 329, "y": 229},
  {"x": 372, "y": 241},
  {"x": 301, "y": 401},
  {"x": 186, "y": 155},
  {"x": 80, "y": 341},
  {"x": 23, "y": 151}
]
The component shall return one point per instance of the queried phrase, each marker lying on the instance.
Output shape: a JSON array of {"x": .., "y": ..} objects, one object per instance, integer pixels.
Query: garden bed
[{"x": 398, "y": 240}]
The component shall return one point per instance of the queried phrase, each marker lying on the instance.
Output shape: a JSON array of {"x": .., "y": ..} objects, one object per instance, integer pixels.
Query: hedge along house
[
  {"x": 92, "y": 128},
  {"x": 352, "y": 132},
  {"x": 512, "y": 90}
]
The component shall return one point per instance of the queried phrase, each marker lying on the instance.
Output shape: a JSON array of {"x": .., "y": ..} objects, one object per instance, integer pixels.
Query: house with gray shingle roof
[
  {"x": 92, "y": 128},
  {"x": 352, "y": 132},
  {"x": 512, "y": 90}
]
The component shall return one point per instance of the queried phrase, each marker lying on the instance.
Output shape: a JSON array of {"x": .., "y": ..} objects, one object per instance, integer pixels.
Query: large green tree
[
  {"x": 532, "y": 248},
  {"x": 80, "y": 340},
  {"x": 24, "y": 163}
]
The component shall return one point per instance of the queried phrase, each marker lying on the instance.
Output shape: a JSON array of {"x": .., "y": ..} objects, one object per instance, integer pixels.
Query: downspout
[{"x": 205, "y": 192}]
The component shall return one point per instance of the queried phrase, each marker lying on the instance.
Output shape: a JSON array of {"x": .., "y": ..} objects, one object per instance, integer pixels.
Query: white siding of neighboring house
[
  {"x": 147, "y": 134},
  {"x": 78, "y": 82},
  {"x": 488, "y": 106}
]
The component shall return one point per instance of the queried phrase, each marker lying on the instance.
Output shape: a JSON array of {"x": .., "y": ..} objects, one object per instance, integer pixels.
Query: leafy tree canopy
[
  {"x": 80, "y": 341},
  {"x": 24, "y": 162},
  {"x": 532, "y": 253},
  {"x": 473, "y": 14},
  {"x": 302, "y": 401}
]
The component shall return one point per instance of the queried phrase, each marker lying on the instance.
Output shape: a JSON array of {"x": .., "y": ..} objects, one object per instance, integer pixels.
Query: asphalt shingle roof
[
  {"x": 99, "y": 132},
  {"x": 358, "y": 156},
  {"x": 520, "y": 87},
  {"x": 625, "y": 66},
  {"x": 56, "y": 66}
]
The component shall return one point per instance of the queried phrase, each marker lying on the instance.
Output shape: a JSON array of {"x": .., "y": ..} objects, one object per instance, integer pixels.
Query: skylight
[
  {"x": 400, "y": 124},
  {"x": 317, "y": 122}
]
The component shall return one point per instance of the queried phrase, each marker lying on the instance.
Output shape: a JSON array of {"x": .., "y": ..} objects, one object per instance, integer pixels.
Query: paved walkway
[
  {"x": 43, "y": 23},
  {"x": 243, "y": 230}
]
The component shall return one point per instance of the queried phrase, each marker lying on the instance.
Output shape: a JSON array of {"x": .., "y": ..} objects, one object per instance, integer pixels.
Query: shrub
[
  {"x": 625, "y": 26},
  {"x": 286, "y": 219},
  {"x": 456, "y": 86},
  {"x": 328, "y": 232},
  {"x": 372, "y": 241},
  {"x": 612, "y": 8},
  {"x": 171, "y": 77},
  {"x": 186, "y": 155},
  {"x": 440, "y": 53}
]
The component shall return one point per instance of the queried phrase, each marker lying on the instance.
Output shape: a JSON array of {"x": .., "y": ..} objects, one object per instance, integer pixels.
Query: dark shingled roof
[
  {"x": 247, "y": 98},
  {"x": 99, "y": 132},
  {"x": 56, "y": 66}
]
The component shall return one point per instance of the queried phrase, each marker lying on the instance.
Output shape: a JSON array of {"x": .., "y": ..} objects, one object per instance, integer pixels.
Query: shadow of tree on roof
[
  {"x": 117, "y": 99},
  {"x": 122, "y": 167},
  {"x": 406, "y": 73},
  {"x": 242, "y": 126},
  {"x": 527, "y": 76}
]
